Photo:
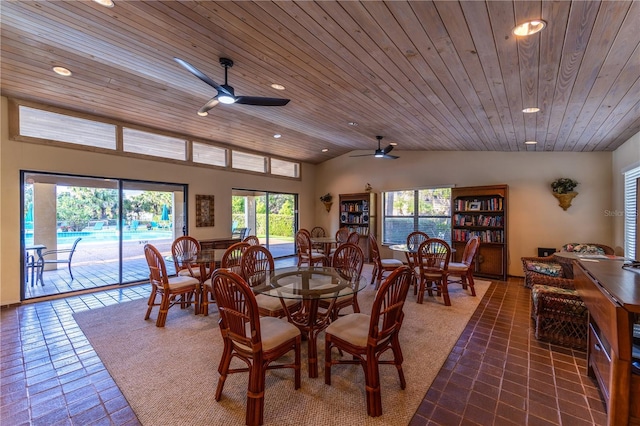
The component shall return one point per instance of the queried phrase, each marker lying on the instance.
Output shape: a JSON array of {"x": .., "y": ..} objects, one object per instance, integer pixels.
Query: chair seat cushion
[
  {"x": 547, "y": 268},
  {"x": 352, "y": 328},
  {"x": 389, "y": 263},
  {"x": 182, "y": 281},
  {"x": 273, "y": 303},
  {"x": 273, "y": 332},
  {"x": 458, "y": 267},
  {"x": 196, "y": 272}
]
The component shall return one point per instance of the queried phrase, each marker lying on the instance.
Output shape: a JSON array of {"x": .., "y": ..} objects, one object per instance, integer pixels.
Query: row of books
[
  {"x": 464, "y": 204},
  {"x": 354, "y": 218},
  {"x": 485, "y": 236},
  {"x": 362, "y": 230},
  {"x": 477, "y": 220},
  {"x": 359, "y": 206}
]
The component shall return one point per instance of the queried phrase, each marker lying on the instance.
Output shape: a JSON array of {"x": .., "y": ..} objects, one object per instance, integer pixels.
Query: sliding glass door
[
  {"x": 272, "y": 217},
  {"x": 110, "y": 219}
]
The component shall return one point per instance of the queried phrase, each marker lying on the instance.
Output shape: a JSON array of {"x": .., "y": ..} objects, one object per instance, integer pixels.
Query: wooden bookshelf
[
  {"x": 357, "y": 212},
  {"x": 481, "y": 211}
]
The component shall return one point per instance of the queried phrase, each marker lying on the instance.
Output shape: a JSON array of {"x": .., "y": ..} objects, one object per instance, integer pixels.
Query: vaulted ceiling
[{"x": 443, "y": 75}]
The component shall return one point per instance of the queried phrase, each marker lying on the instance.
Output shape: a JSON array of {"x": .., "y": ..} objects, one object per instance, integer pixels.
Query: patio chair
[{"x": 42, "y": 261}]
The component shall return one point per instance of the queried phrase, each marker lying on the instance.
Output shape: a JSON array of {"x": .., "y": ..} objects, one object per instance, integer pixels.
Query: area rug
[{"x": 169, "y": 375}]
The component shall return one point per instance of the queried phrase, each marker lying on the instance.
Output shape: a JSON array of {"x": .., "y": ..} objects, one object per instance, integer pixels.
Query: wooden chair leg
[
  {"x": 255, "y": 393},
  {"x": 223, "y": 368},
  {"x": 150, "y": 302},
  {"x": 445, "y": 291},
  {"x": 164, "y": 309},
  {"x": 372, "y": 386}
]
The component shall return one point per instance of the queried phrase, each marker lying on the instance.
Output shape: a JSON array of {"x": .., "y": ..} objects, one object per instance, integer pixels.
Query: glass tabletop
[
  {"x": 310, "y": 283},
  {"x": 204, "y": 256}
]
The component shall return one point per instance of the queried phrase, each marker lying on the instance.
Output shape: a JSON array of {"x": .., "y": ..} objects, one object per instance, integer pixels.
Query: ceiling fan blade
[
  {"x": 260, "y": 101},
  {"x": 206, "y": 107},
  {"x": 390, "y": 157},
  {"x": 387, "y": 149},
  {"x": 202, "y": 76},
  {"x": 361, "y": 155}
]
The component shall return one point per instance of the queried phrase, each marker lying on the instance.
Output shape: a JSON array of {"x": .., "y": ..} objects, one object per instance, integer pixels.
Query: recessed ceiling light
[
  {"x": 529, "y": 28},
  {"x": 393, "y": 143},
  {"x": 62, "y": 71},
  {"x": 277, "y": 86},
  {"x": 277, "y": 136},
  {"x": 352, "y": 123},
  {"x": 530, "y": 142},
  {"x": 105, "y": 3},
  {"x": 325, "y": 149},
  {"x": 203, "y": 113},
  {"x": 530, "y": 110}
]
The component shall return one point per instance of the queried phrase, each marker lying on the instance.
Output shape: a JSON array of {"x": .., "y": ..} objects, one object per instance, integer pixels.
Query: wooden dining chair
[
  {"x": 256, "y": 268},
  {"x": 230, "y": 260},
  {"x": 171, "y": 290},
  {"x": 434, "y": 255},
  {"x": 306, "y": 255},
  {"x": 380, "y": 265},
  {"x": 464, "y": 268},
  {"x": 253, "y": 240},
  {"x": 182, "y": 248},
  {"x": 318, "y": 232},
  {"x": 255, "y": 340},
  {"x": 348, "y": 261},
  {"x": 414, "y": 239},
  {"x": 353, "y": 238},
  {"x": 365, "y": 337}
]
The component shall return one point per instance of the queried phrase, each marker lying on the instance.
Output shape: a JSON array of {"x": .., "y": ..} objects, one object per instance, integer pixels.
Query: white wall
[
  {"x": 16, "y": 156},
  {"x": 534, "y": 217},
  {"x": 625, "y": 158}
]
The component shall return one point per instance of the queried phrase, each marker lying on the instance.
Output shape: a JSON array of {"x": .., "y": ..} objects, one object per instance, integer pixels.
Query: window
[
  {"x": 37, "y": 123},
  {"x": 284, "y": 168},
  {"x": 251, "y": 162},
  {"x": 631, "y": 189},
  {"x": 153, "y": 144},
  {"x": 426, "y": 210},
  {"x": 42, "y": 126},
  {"x": 209, "y": 154}
]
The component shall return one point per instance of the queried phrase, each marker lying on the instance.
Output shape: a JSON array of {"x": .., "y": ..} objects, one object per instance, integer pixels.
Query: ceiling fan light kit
[{"x": 226, "y": 94}]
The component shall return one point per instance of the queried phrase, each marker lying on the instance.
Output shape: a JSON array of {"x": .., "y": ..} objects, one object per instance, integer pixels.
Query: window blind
[{"x": 631, "y": 178}]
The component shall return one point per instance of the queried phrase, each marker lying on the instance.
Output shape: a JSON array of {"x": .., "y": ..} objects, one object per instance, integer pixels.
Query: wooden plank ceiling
[{"x": 442, "y": 75}]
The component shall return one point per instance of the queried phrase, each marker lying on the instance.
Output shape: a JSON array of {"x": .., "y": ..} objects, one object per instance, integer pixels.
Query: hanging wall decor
[{"x": 205, "y": 213}]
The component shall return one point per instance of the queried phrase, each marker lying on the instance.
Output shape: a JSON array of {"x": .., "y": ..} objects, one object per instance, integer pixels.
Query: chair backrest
[
  {"x": 240, "y": 233},
  {"x": 348, "y": 260},
  {"x": 434, "y": 255},
  {"x": 252, "y": 240},
  {"x": 157, "y": 268},
  {"x": 353, "y": 238},
  {"x": 182, "y": 247},
  {"x": 317, "y": 231},
  {"x": 256, "y": 265},
  {"x": 387, "y": 310},
  {"x": 470, "y": 250},
  {"x": 238, "y": 309},
  {"x": 342, "y": 234},
  {"x": 233, "y": 255},
  {"x": 416, "y": 238},
  {"x": 73, "y": 247},
  {"x": 306, "y": 231},
  {"x": 303, "y": 242},
  {"x": 374, "y": 251}
]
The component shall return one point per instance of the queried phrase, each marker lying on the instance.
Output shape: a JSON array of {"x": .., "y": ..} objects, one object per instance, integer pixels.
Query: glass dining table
[
  {"x": 205, "y": 260},
  {"x": 310, "y": 285}
]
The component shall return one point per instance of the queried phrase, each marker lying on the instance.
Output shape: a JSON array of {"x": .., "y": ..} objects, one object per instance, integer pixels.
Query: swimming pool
[{"x": 104, "y": 236}]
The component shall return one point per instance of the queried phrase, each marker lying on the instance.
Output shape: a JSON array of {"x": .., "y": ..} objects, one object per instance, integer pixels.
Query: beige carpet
[{"x": 169, "y": 374}]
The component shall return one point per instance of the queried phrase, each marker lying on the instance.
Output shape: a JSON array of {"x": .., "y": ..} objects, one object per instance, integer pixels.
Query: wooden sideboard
[
  {"x": 612, "y": 295},
  {"x": 218, "y": 243}
]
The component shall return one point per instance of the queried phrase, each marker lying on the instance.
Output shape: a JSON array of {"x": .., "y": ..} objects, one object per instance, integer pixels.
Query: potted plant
[
  {"x": 326, "y": 200},
  {"x": 563, "y": 190}
]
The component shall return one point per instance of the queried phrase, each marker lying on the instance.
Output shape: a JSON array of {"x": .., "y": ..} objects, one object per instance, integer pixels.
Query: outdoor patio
[{"x": 91, "y": 274}]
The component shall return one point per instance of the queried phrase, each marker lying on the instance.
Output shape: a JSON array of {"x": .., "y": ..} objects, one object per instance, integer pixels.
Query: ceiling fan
[
  {"x": 380, "y": 153},
  {"x": 225, "y": 93}
]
